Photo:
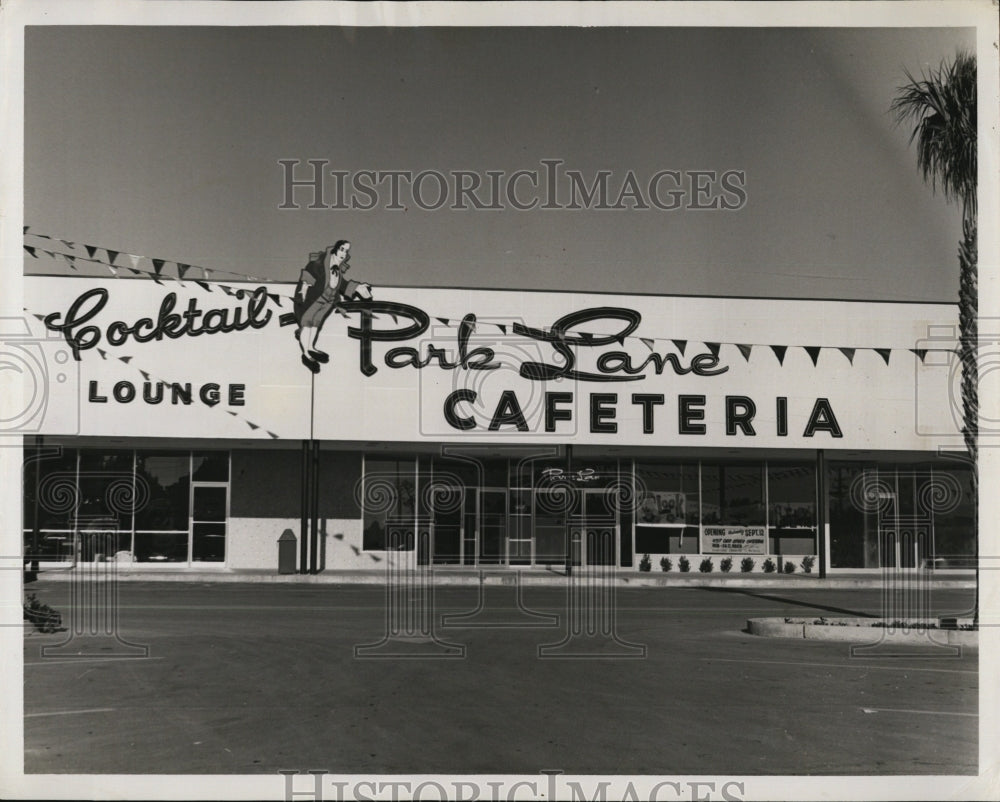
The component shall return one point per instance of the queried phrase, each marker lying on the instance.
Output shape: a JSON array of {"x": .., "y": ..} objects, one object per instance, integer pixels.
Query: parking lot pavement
[{"x": 257, "y": 678}]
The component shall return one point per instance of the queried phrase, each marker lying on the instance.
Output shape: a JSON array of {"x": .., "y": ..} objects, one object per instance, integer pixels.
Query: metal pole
[
  {"x": 304, "y": 524},
  {"x": 566, "y": 512},
  {"x": 821, "y": 511},
  {"x": 314, "y": 512}
]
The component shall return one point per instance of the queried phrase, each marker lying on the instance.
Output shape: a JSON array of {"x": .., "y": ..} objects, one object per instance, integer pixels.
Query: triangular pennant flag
[
  {"x": 226, "y": 290},
  {"x": 114, "y": 272},
  {"x": 620, "y": 340},
  {"x": 884, "y": 353},
  {"x": 70, "y": 260},
  {"x": 135, "y": 272},
  {"x": 275, "y": 298},
  {"x": 31, "y": 250},
  {"x": 206, "y": 272},
  {"x": 501, "y": 326},
  {"x": 125, "y": 359},
  {"x": 40, "y": 317},
  {"x": 156, "y": 279},
  {"x": 813, "y": 351},
  {"x": 133, "y": 259},
  {"x": 91, "y": 250},
  {"x": 67, "y": 243},
  {"x": 394, "y": 318},
  {"x": 680, "y": 345},
  {"x": 444, "y": 321},
  {"x": 745, "y": 350},
  {"x": 586, "y": 336},
  {"x": 102, "y": 353},
  {"x": 714, "y": 348},
  {"x": 49, "y": 253},
  {"x": 921, "y": 353},
  {"x": 647, "y": 342},
  {"x": 779, "y": 351},
  {"x": 253, "y": 426},
  {"x": 849, "y": 353},
  {"x": 112, "y": 255},
  {"x": 157, "y": 265},
  {"x": 203, "y": 285},
  {"x": 231, "y": 412},
  {"x": 274, "y": 435},
  {"x": 144, "y": 374},
  {"x": 26, "y": 229},
  {"x": 182, "y": 269}
]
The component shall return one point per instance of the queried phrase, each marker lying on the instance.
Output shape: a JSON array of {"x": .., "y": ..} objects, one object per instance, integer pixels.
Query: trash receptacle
[{"x": 286, "y": 552}]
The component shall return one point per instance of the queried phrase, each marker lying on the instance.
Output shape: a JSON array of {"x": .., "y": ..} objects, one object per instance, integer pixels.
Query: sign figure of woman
[{"x": 321, "y": 289}]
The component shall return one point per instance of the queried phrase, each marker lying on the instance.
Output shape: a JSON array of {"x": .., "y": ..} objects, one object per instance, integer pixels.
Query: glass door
[
  {"x": 492, "y": 525},
  {"x": 209, "y": 512}
]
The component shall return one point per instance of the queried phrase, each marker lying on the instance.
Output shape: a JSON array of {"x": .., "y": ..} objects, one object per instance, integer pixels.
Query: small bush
[
  {"x": 706, "y": 566},
  {"x": 747, "y": 564},
  {"x": 726, "y": 565},
  {"x": 807, "y": 564},
  {"x": 789, "y": 568},
  {"x": 43, "y": 617},
  {"x": 645, "y": 564},
  {"x": 769, "y": 566},
  {"x": 665, "y": 564},
  {"x": 684, "y": 564}
]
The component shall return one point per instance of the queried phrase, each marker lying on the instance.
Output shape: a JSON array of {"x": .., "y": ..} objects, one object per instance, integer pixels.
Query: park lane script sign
[{"x": 203, "y": 359}]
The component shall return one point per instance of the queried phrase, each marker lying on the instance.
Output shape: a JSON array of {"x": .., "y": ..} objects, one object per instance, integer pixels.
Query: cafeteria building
[{"x": 173, "y": 425}]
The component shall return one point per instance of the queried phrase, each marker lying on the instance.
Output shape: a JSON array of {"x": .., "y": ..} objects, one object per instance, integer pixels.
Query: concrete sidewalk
[{"x": 535, "y": 577}]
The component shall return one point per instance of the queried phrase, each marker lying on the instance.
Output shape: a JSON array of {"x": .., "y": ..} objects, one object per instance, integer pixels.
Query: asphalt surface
[{"x": 257, "y": 678}]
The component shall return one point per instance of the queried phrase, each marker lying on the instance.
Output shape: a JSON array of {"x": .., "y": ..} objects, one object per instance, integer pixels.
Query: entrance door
[
  {"x": 600, "y": 528},
  {"x": 492, "y": 525}
]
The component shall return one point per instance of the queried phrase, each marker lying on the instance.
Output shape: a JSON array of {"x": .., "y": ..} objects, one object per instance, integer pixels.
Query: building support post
[
  {"x": 304, "y": 512},
  {"x": 821, "y": 511}
]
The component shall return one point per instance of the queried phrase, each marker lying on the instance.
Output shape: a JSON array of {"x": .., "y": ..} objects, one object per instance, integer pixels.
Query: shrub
[
  {"x": 706, "y": 566},
  {"x": 684, "y": 564},
  {"x": 747, "y": 564},
  {"x": 665, "y": 564},
  {"x": 645, "y": 564},
  {"x": 44, "y": 618},
  {"x": 807, "y": 564},
  {"x": 789, "y": 568},
  {"x": 726, "y": 564},
  {"x": 769, "y": 566}
]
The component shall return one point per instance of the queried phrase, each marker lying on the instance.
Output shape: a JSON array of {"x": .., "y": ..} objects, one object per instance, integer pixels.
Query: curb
[
  {"x": 862, "y": 631},
  {"x": 527, "y": 577}
]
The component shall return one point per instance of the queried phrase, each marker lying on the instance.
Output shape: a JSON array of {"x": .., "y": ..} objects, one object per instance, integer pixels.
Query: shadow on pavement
[{"x": 786, "y": 600}]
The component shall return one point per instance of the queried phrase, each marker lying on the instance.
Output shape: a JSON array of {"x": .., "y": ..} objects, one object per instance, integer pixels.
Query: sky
[{"x": 167, "y": 141}]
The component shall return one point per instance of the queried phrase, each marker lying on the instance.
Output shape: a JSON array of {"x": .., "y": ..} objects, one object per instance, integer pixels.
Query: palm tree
[{"x": 942, "y": 109}]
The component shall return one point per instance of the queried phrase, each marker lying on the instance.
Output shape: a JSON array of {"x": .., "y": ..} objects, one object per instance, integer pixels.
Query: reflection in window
[
  {"x": 668, "y": 494},
  {"x": 166, "y": 478},
  {"x": 389, "y": 495},
  {"x": 732, "y": 495}
]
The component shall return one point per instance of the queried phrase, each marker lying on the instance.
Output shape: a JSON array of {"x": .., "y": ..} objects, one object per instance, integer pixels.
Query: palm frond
[{"x": 941, "y": 107}]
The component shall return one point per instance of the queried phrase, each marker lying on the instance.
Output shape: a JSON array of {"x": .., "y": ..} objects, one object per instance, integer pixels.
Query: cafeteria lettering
[{"x": 739, "y": 412}]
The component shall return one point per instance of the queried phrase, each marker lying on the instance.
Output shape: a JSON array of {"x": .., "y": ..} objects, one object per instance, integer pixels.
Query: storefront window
[
  {"x": 126, "y": 505},
  {"x": 791, "y": 497},
  {"x": 732, "y": 495},
  {"x": 667, "y": 511},
  {"x": 954, "y": 518},
  {"x": 389, "y": 496},
  {"x": 51, "y": 498},
  {"x": 853, "y": 529}
]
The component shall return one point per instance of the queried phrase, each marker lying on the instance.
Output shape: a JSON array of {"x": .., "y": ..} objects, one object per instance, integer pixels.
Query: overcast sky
[{"x": 166, "y": 142}]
